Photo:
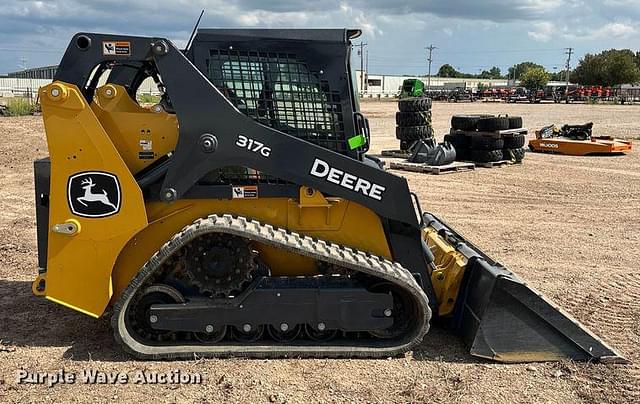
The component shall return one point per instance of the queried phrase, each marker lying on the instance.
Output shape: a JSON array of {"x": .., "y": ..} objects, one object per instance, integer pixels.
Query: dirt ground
[{"x": 568, "y": 225}]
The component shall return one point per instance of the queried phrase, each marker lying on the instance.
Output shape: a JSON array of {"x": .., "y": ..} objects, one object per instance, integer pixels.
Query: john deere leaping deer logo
[
  {"x": 89, "y": 196},
  {"x": 94, "y": 194}
]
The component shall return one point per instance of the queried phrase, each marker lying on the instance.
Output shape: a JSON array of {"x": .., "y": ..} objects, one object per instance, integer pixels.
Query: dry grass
[{"x": 19, "y": 107}]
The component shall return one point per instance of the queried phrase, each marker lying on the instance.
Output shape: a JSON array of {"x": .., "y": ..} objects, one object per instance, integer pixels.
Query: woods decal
[{"x": 94, "y": 194}]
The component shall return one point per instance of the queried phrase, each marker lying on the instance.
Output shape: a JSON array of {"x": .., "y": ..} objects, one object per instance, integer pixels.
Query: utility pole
[
  {"x": 568, "y": 52},
  {"x": 366, "y": 69},
  {"x": 23, "y": 63},
  {"x": 361, "y": 45},
  {"x": 429, "y": 59}
]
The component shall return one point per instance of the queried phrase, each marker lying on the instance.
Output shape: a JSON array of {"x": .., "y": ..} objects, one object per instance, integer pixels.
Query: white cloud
[
  {"x": 40, "y": 29},
  {"x": 543, "y": 31},
  {"x": 270, "y": 19},
  {"x": 362, "y": 21},
  {"x": 614, "y": 30}
]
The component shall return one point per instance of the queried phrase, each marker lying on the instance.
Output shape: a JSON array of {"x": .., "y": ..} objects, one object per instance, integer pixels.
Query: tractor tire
[
  {"x": 413, "y": 133},
  {"x": 515, "y": 155},
  {"x": 415, "y": 104},
  {"x": 405, "y": 145},
  {"x": 493, "y": 124},
  {"x": 486, "y": 156},
  {"x": 518, "y": 154},
  {"x": 514, "y": 141},
  {"x": 462, "y": 154},
  {"x": 458, "y": 141},
  {"x": 480, "y": 142},
  {"x": 466, "y": 122},
  {"x": 515, "y": 122},
  {"x": 405, "y": 119}
]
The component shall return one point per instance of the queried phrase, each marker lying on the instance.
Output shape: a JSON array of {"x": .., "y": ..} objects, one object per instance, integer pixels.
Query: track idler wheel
[
  {"x": 139, "y": 315},
  {"x": 401, "y": 312},
  {"x": 315, "y": 334},
  {"x": 284, "y": 333},
  {"x": 211, "y": 335},
  {"x": 247, "y": 333}
]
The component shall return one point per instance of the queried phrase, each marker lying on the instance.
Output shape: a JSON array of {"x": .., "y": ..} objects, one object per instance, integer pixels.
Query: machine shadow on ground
[{"x": 30, "y": 321}]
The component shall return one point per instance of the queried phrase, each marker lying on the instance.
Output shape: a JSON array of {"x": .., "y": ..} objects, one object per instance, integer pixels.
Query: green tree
[
  {"x": 608, "y": 68},
  {"x": 534, "y": 78},
  {"x": 447, "y": 70},
  {"x": 520, "y": 68},
  {"x": 560, "y": 75},
  {"x": 495, "y": 72}
]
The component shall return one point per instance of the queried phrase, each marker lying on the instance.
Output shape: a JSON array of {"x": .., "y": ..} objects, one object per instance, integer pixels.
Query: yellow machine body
[
  {"x": 140, "y": 135},
  {"x": 100, "y": 219},
  {"x": 91, "y": 266},
  {"x": 447, "y": 276}
]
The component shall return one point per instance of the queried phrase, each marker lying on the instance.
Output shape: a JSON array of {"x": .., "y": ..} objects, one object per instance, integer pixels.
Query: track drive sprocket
[{"x": 219, "y": 264}]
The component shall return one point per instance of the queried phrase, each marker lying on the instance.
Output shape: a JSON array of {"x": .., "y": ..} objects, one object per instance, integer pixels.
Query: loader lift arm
[{"x": 193, "y": 97}]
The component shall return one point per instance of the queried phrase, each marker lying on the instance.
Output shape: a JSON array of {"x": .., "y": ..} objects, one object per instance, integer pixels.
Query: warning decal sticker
[
  {"x": 146, "y": 145},
  {"x": 116, "y": 48},
  {"x": 250, "y": 192}
]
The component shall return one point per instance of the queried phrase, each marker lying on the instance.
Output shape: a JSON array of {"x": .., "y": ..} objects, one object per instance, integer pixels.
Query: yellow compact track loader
[{"x": 241, "y": 216}]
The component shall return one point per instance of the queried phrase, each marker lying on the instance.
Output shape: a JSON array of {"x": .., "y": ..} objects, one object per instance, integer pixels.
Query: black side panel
[{"x": 42, "y": 172}]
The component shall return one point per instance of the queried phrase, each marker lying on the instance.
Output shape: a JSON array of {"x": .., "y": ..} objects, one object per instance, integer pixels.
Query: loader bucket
[{"x": 501, "y": 318}]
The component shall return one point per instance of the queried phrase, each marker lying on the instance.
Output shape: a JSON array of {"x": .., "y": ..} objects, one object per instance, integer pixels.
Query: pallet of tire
[
  {"x": 488, "y": 139},
  {"x": 413, "y": 121}
]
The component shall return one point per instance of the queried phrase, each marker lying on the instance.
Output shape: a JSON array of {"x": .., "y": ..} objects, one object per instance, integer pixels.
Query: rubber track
[{"x": 294, "y": 242}]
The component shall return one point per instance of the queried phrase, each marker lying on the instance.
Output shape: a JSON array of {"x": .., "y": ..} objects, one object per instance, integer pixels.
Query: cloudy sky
[{"x": 471, "y": 35}]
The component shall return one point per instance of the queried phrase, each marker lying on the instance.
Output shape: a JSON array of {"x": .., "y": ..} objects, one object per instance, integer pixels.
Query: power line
[{"x": 504, "y": 51}]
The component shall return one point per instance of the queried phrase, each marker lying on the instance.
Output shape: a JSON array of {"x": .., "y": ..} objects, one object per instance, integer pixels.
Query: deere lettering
[{"x": 322, "y": 169}]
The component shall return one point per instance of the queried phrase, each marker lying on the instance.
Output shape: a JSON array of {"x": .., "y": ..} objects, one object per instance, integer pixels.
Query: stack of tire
[
  {"x": 478, "y": 138},
  {"x": 413, "y": 121}
]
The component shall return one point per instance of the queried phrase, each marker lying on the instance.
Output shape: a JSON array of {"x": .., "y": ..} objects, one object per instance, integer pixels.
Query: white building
[{"x": 390, "y": 85}]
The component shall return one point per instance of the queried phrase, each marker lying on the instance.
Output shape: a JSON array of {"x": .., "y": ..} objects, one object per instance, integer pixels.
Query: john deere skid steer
[{"x": 241, "y": 216}]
